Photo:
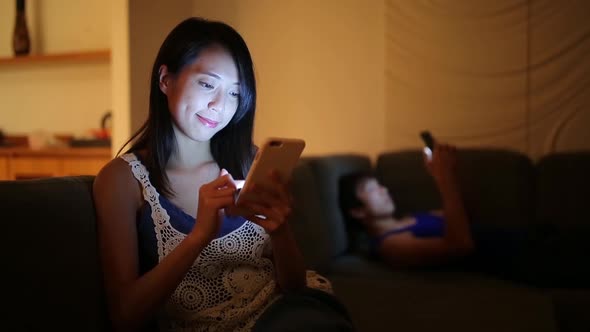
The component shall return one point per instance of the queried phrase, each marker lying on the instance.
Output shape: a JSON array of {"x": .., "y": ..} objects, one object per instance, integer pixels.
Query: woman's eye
[
  {"x": 234, "y": 94},
  {"x": 205, "y": 85}
]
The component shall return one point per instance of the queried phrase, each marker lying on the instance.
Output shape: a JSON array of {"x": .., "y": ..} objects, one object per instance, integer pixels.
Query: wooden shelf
[{"x": 86, "y": 56}]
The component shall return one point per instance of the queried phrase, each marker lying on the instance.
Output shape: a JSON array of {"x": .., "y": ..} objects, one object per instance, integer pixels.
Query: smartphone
[
  {"x": 428, "y": 142},
  {"x": 280, "y": 154}
]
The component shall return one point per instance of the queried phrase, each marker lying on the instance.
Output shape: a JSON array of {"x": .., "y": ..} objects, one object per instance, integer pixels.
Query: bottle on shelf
[{"x": 21, "y": 43}]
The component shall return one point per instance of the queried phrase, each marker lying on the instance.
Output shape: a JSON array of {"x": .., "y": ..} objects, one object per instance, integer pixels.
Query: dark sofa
[
  {"x": 53, "y": 281},
  {"x": 502, "y": 189}
]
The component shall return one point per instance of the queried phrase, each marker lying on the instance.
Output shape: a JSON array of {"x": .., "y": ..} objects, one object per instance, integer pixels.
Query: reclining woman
[
  {"x": 425, "y": 238},
  {"x": 538, "y": 255}
]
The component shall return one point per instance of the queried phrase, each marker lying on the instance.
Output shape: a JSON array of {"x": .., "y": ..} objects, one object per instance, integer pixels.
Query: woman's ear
[{"x": 164, "y": 79}]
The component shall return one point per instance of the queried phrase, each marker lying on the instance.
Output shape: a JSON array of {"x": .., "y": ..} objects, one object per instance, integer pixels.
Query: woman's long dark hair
[{"x": 231, "y": 147}]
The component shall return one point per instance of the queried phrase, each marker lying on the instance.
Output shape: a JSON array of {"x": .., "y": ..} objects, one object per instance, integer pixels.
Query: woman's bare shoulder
[
  {"x": 116, "y": 177},
  {"x": 116, "y": 169}
]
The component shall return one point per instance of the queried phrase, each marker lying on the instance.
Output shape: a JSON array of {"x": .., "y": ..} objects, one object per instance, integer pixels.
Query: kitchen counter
[
  {"x": 20, "y": 163},
  {"x": 101, "y": 152}
]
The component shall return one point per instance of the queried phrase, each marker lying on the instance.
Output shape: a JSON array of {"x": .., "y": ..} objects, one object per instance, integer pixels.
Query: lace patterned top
[{"x": 231, "y": 282}]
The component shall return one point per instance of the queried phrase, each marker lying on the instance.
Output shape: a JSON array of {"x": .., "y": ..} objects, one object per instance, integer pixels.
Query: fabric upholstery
[
  {"x": 51, "y": 254},
  {"x": 53, "y": 275},
  {"x": 327, "y": 172},
  {"x": 563, "y": 190}
]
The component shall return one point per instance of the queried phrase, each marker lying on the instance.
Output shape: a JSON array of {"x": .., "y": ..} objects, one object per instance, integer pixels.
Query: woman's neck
[
  {"x": 378, "y": 225},
  {"x": 189, "y": 154}
]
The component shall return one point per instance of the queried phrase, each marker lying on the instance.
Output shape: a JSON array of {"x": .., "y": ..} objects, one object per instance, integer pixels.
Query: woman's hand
[
  {"x": 214, "y": 197},
  {"x": 443, "y": 165},
  {"x": 270, "y": 206}
]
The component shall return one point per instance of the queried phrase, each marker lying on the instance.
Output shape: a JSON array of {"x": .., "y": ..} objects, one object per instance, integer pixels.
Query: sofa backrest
[
  {"x": 317, "y": 220},
  {"x": 497, "y": 185},
  {"x": 409, "y": 184},
  {"x": 563, "y": 190},
  {"x": 50, "y": 255}
]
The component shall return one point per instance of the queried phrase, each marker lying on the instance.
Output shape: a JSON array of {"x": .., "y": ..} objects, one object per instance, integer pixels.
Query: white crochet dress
[{"x": 230, "y": 283}]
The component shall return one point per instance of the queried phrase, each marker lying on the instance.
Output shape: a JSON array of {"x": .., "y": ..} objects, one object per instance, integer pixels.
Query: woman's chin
[{"x": 202, "y": 136}]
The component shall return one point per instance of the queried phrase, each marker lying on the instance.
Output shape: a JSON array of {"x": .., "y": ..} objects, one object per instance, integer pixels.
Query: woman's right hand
[
  {"x": 214, "y": 197},
  {"x": 443, "y": 165}
]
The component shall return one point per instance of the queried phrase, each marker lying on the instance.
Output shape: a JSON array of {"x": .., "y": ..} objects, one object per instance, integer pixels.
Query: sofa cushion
[
  {"x": 306, "y": 216},
  {"x": 571, "y": 309},
  {"x": 497, "y": 185},
  {"x": 423, "y": 302},
  {"x": 409, "y": 184},
  {"x": 51, "y": 253},
  {"x": 317, "y": 220},
  {"x": 358, "y": 265},
  {"x": 563, "y": 190}
]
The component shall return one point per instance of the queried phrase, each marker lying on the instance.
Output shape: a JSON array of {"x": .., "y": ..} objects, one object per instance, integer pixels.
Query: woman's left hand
[{"x": 271, "y": 206}]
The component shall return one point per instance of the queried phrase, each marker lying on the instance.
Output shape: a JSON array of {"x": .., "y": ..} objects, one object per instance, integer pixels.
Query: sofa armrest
[{"x": 50, "y": 249}]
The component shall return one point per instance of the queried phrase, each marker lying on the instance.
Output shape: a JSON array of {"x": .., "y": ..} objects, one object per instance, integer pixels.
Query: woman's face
[
  {"x": 375, "y": 198},
  {"x": 204, "y": 96}
]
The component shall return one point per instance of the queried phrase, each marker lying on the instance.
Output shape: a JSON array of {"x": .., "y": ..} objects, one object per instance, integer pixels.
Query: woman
[
  {"x": 431, "y": 237},
  {"x": 539, "y": 255},
  {"x": 171, "y": 253}
]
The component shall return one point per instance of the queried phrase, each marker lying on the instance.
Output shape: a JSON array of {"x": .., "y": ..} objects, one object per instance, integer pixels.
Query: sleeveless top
[
  {"x": 426, "y": 225},
  {"x": 231, "y": 282}
]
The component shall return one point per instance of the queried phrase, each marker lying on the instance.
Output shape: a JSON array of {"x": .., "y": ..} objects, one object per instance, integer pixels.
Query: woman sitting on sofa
[
  {"x": 425, "y": 238},
  {"x": 174, "y": 255}
]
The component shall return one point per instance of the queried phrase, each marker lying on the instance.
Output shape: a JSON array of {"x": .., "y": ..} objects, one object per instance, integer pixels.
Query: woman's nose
[{"x": 217, "y": 102}]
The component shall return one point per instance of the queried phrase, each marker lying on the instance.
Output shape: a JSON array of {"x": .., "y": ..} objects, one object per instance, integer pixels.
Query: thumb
[{"x": 224, "y": 172}]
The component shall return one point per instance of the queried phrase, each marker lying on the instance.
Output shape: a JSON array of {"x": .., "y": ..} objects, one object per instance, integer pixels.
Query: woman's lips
[{"x": 208, "y": 122}]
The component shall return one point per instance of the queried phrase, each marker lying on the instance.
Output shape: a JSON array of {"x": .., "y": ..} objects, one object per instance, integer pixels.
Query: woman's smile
[{"x": 207, "y": 122}]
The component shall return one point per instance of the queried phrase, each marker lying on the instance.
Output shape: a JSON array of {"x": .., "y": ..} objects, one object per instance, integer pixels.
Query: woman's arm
[
  {"x": 133, "y": 299},
  {"x": 443, "y": 169},
  {"x": 404, "y": 249},
  {"x": 288, "y": 261},
  {"x": 275, "y": 204}
]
